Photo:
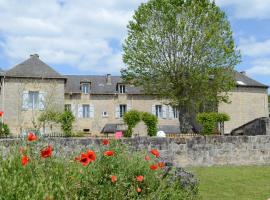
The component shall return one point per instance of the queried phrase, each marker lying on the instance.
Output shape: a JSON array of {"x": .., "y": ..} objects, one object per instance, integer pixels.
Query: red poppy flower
[
  {"x": 105, "y": 142},
  {"x": 147, "y": 157},
  {"x": 155, "y": 153},
  {"x": 113, "y": 179},
  {"x": 140, "y": 178},
  {"x": 139, "y": 190},
  {"x": 24, "y": 160},
  {"x": 1, "y": 113},
  {"x": 161, "y": 164},
  {"x": 85, "y": 160},
  {"x": 91, "y": 155},
  {"x": 154, "y": 167},
  {"x": 108, "y": 153},
  {"x": 46, "y": 152},
  {"x": 31, "y": 137}
]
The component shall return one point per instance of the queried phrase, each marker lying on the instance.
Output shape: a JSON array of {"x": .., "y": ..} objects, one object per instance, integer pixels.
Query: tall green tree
[{"x": 182, "y": 51}]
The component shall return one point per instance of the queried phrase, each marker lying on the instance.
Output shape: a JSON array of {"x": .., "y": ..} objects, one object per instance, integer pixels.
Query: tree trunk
[{"x": 184, "y": 120}]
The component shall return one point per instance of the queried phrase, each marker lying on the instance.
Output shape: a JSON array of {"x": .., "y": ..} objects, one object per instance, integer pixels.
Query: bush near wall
[
  {"x": 133, "y": 117},
  {"x": 210, "y": 120},
  {"x": 4, "y": 129},
  {"x": 112, "y": 172}
]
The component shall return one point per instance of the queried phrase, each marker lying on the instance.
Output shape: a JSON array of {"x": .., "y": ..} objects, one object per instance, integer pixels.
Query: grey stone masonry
[{"x": 198, "y": 151}]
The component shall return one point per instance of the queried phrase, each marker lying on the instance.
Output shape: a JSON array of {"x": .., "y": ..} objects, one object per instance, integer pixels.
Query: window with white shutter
[
  {"x": 25, "y": 100},
  {"x": 117, "y": 112},
  {"x": 164, "y": 111},
  {"x": 92, "y": 111},
  {"x": 80, "y": 111},
  {"x": 41, "y": 99}
]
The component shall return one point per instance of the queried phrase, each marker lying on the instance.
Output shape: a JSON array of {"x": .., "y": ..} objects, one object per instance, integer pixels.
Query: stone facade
[
  {"x": 248, "y": 99},
  {"x": 109, "y": 104},
  {"x": 193, "y": 152},
  {"x": 20, "y": 119},
  {"x": 247, "y": 104}
]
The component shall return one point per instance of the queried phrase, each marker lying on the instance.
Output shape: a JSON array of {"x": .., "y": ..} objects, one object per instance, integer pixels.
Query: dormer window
[
  {"x": 121, "y": 88},
  {"x": 85, "y": 88}
]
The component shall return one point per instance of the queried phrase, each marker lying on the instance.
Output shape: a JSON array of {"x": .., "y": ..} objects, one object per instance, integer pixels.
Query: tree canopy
[{"x": 182, "y": 51}]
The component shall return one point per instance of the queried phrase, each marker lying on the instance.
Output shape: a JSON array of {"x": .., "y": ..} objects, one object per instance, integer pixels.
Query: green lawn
[{"x": 234, "y": 183}]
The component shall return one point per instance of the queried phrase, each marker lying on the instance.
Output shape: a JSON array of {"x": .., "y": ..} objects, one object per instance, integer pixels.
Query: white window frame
[
  {"x": 121, "y": 88},
  {"x": 175, "y": 112},
  {"x": 68, "y": 107},
  {"x": 33, "y": 102},
  {"x": 122, "y": 110},
  {"x": 85, "y": 88},
  {"x": 158, "y": 111},
  {"x": 105, "y": 114},
  {"x": 84, "y": 112}
]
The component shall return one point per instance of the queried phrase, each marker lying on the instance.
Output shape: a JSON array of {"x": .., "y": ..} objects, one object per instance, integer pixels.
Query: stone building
[{"x": 99, "y": 102}]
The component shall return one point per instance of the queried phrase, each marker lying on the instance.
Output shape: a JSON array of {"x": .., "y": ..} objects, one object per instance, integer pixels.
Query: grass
[{"x": 234, "y": 183}]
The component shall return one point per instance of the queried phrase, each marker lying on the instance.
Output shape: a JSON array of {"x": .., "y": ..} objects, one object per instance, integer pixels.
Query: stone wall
[
  {"x": 199, "y": 151},
  {"x": 247, "y": 104}
]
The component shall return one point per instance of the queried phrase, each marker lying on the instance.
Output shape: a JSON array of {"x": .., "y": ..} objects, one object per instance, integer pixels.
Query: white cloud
[
  {"x": 247, "y": 9},
  {"x": 252, "y": 47},
  {"x": 75, "y": 33},
  {"x": 260, "y": 67}
]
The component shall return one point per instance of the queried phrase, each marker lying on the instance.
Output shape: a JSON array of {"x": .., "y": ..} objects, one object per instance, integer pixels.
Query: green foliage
[
  {"x": 63, "y": 178},
  {"x": 150, "y": 121},
  {"x": 4, "y": 129},
  {"x": 66, "y": 119},
  {"x": 49, "y": 116},
  {"x": 133, "y": 117},
  {"x": 209, "y": 121},
  {"x": 182, "y": 51}
]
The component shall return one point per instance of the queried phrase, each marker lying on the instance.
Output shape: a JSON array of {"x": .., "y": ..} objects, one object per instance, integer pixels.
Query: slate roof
[
  {"x": 112, "y": 128},
  {"x": 33, "y": 68},
  {"x": 98, "y": 84},
  {"x": 248, "y": 82}
]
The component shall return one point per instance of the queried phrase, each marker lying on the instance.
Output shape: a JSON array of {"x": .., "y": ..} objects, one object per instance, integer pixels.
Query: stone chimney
[
  {"x": 243, "y": 72},
  {"x": 34, "y": 55},
  {"x": 108, "y": 79}
]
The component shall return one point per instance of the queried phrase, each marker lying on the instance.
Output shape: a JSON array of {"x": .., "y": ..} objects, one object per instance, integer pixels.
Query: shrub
[
  {"x": 210, "y": 120},
  {"x": 151, "y": 122},
  {"x": 131, "y": 118},
  {"x": 111, "y": 173},
  {"x": 66, "y": 119},
  {"x": 4, "y": 129}
]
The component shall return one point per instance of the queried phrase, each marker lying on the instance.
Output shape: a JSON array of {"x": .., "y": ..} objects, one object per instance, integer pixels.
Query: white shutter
[
  {"x": 171, "y": 116},
  {"x": 164, "y": 111},
  {"x": 154, "y": 110},
  {"x": 25, "y": 99},
  {"x": 73, "y": 109},
  {"x": 128, "y": 107},
  {"x": 92, "y": 111},
  {"x": 80, "y": 111},
  {"x": 117, "y": 111},
  {"x": 41, "y": 99}
]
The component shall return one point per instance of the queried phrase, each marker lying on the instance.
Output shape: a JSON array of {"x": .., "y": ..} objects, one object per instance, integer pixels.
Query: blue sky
[{"x": 85, "y": 37}]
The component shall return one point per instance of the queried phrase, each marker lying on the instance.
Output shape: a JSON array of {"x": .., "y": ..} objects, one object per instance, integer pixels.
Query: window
[
  {"x": 85, "y": 87},
  {"x": 158, "y": 111},
  {"x": 33, "y": 100},
  {"x": 67, "y": 107},
  {"x": 105, "y": 114},
  {"x": 121, "y": 89},
  {"x": 86, "y": 111},
  {"x": 123, "y": 109},
  {"x": 175, "y": 112}
]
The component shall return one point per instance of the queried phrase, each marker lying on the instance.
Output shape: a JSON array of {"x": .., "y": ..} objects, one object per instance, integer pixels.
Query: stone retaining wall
[{"x": 199, "y": 151}]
